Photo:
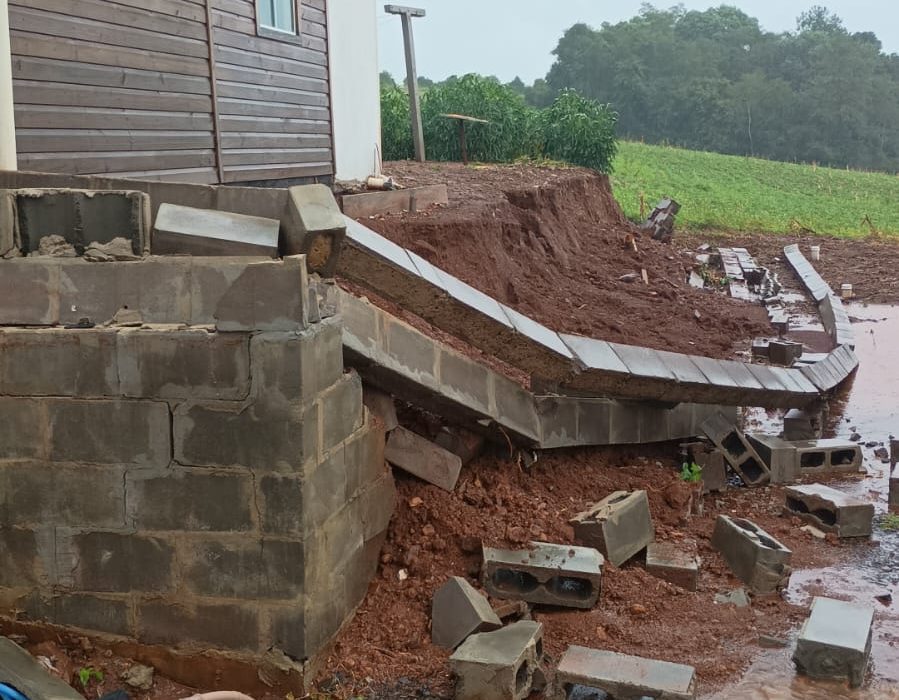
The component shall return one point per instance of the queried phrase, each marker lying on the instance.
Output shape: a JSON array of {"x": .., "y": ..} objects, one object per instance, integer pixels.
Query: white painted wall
[
  {"x": 7, "y": 122},
  {"x": 355, "y": 86}
]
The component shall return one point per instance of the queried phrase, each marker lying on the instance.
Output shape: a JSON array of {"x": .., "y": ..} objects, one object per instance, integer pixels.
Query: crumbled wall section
[{"x": 209, "y": 480}]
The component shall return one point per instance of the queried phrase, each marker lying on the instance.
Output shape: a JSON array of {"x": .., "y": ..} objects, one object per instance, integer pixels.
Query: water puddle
[{"x": 869, "y": 408}]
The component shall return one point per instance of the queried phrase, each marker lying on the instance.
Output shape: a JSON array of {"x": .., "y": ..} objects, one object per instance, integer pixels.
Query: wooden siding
[{"x": 124, "y": 87}]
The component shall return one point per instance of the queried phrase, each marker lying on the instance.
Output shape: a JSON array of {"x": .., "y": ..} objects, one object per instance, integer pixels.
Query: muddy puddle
[{"x": 868, "y": 408}]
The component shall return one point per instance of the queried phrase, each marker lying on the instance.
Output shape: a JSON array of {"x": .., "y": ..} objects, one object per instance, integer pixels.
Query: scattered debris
[
  {"x": 118, "y": 249},
  {"x": 55, "y": 247},
  {"x": 139, "y": 676},
  {"x": 884, "y": 599},
  {"x": 127, "y": 318},
  {"x": 768, "y": 642},
  {"x": 736, "y": 597},
  {"x": 814, "y": 532},
  {"x": 660, "y": 224}
]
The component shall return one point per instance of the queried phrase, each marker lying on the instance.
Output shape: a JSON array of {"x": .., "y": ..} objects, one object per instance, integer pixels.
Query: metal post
[
  {"x": 407, "y": 13},
  {"x": 8, "y": 160}
]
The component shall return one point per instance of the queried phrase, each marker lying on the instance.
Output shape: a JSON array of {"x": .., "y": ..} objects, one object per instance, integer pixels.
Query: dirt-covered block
[
  {"x": 421, "y": 457},
  {"x": 499, "y": 665},
  {"x": 313, "y": 226},
  {"x": 548, "y": 574},
  {"x": 830, "y": 510},
  {"x": 619, "y": 526},
  {"x": 670, "y": 563},
  {"x": 756, "y": 558},
  {"x": 458, "y": 610},
  {"x": 741, "y": 456}
]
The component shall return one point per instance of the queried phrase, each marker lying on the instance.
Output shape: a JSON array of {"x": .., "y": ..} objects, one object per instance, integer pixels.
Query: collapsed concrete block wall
[{"x": 209, "y": 479}]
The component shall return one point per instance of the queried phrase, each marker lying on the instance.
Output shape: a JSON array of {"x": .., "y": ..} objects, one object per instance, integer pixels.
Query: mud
[{"x": 553, "y": 244}]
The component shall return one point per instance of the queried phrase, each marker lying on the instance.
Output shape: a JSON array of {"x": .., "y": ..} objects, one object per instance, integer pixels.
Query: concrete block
[
  {"x": 224, "y": 567},
  {"x": 269, "y": 296},
  {"x": 817, "y": 456},
  {"x": 513, "y": 407},
  {"x": 57, "y": 362},
  {"x": 187, "y": 364},
  {"x": 619, "y": 525},
  {"x": 209, "y": 279},
  {"x": 226, "y": 625},
  {"x": 313, "y": 226},
  {"x": 187, "y": 231},
  {"x": 109, "y": 432},
  {"x": 802, "y": 424},
  {"x": 621, "y": 676},
  {"x": 280, "y": 497},
  {"x": 464, "y": 380},
  {"x": 741, "y": 456},
  {"x": 756, "y": 558},
  {"x": 38, "y": 493},
  {"x": 671, "y": 563},
  {"x": 413, "y": 350},
  {"x": 830, "y": 510},
  {"x": 341, "y": 411},
  {"x": 27, "y": 675},
  {"x": 29, "y": 292},
  {"x": 784, "y": 352},
  {"x": 10, "y": 245},
  {"x": 108, "y": 562},
  {"x": 110, "y": 614},
  {"x": 546, "y": 574},
  {"x": 779, "y": 455},
  {"x": 458, "y": 611},
  {"x": 498, "y": 665},
  {"x": 835, "y": 641},
  {"x": 380, "y": 405},
  {"x": 714, "y": 470},
  {"x": 189, "y": 500},
  {"x": 82, "y": 217},
  {"x": 324, "y": 491},
  {"x": 358, "y": 206},
  {"x": 21, "y": 563},
  {"x": 422, "y": 458},
  {"x": 465, "y": 444},
  {"x": 230, "y": 435},
  {"x": 364, "y": 457},
  {"x": 540, "y": 348},
  {"x": 288, "y": 630}
]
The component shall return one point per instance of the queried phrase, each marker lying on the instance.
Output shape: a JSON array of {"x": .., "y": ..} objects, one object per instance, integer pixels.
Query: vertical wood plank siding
[{"x": 124, "y": 87}]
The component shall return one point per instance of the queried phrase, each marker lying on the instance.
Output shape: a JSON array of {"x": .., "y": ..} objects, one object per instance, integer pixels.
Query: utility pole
[
  {"x": 407, "y": 13},
  {"x": 7, "y": 112}
]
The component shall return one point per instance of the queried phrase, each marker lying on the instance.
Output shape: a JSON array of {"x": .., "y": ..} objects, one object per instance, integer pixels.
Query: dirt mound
[
  {"x": 553, "y": 243},
  {"x": 386, "y": 650}
]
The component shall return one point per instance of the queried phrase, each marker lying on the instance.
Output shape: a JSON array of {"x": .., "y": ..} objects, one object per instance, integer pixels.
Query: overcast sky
[{"x": 516, "y": 37}]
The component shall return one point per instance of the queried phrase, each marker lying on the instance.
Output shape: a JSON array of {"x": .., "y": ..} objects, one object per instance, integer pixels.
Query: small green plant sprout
[
  {"x": 691, "y": 473},
  {"x": 87, "y": 673},
  {"x": 890, "y": 522}
]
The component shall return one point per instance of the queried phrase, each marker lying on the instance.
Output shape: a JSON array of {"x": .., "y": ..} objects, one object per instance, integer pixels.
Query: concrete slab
[
  {"x": 779, "y": 455},
  {"x": 643, "y": 362},
  {"x": 499, "y": 665},
  {"x": 602, "y": 370},
  {"x": 835, "y": 641},
  {"x": 547, "y": 574},
  {"x": 619, "y": 525},
  {"x": 830, "y": 510},
  {"x": 21, "y": 670},
  {"x": 670, "y": 563},
  {"x": 622, "y": 676},
  {"x": 422, "y": 458},
  {"x": 458, "y": 610},
  {"x": 188, "y": 231},
  {"x": 755, "y": 557}
]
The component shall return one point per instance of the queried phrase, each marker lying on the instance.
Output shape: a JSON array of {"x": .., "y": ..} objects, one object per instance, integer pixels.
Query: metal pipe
[{"x": 8, "y": 160}]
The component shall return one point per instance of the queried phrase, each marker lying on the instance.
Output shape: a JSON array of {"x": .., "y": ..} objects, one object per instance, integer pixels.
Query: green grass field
[{"x": 748, "y": 194}]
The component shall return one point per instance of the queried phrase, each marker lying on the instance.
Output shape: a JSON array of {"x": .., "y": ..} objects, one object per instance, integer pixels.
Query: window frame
[{"x": 268, "y": 32}]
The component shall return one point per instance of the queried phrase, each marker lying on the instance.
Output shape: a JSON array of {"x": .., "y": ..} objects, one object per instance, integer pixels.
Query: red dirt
[
  {"x": 386, "y": 650},
  {"x": 551, "y": 242}
]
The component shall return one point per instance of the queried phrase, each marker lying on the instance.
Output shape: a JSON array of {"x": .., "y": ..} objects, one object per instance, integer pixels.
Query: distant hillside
[{"x": 748, "y": 194}]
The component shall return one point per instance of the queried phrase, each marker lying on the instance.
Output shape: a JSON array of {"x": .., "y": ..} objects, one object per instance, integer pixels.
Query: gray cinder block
[
  {"x": 741, "y": 456},
  {"x": 619, "y": 525},
  {"x": 188, "y": 231},
  {"x": 621, "y": 676},
  {"x": 830, "y": 510},
  {"x": 756, "y": 558},
  {"x": 779, "y": 455},
  {"x": 816, "y": 456},
  {"x": 499, "y": 665},
  {"x": 835, "y": 641},
  {"x": 669, "y": 563},
  {"x": 314, "y": 227},
  {"x": 548, "y": 574},
  {"x": 424, "y": 459},
  {"x": 802, "y": 424},
  {"x": 458, "y": 610}
]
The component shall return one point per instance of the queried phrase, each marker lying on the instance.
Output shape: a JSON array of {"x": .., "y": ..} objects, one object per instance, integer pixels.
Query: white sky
[{"x": 516, "y": 37}]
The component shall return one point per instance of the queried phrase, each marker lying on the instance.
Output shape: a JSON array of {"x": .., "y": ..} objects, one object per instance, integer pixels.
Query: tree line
[{"x": 715, "y": 80}]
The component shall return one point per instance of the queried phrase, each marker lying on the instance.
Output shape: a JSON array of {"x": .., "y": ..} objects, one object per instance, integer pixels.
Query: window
[{"x": 277, "y": 15}]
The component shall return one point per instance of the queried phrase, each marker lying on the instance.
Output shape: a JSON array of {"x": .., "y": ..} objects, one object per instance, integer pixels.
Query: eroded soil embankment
[{"x": 553, "y": 244}]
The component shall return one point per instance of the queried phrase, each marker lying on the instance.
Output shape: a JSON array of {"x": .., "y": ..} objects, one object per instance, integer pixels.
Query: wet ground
[{"x": 868, "y": 408}]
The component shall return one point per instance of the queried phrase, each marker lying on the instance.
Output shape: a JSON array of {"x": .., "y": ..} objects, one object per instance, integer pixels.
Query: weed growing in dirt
[
  {"x": 750, "y": 194},
  {"x": 691, "y": 473},
  {"x": 87, "y": 673},
  {"x": 890, "y": 522}
]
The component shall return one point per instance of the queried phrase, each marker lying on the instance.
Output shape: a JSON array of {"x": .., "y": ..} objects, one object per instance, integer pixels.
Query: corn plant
[{"x": 580, "y": 131}]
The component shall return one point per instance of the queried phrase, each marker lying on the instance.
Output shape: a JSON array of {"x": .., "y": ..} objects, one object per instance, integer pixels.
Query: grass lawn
[{"x": 749, "y": 194}]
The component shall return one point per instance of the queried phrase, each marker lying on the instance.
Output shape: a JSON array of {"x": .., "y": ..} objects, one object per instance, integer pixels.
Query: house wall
[
  {"x": 127, "y": 88},
  {"x": 355, "y": 87}
]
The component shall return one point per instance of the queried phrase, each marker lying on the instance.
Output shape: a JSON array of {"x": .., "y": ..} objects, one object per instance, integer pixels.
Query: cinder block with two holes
[
  {"x": 780, "y": 456},
  {"x": 741, "y": 456},
  {"x": 619, "y": 525},
  {"x": 828, "y": 456},
  {"x": 499, "y": 665},
  {"x": 582, "y": 672},
  {"x": 756, "y": 558},
  {"x": 830, "y": 510},
  {"x": 546, "y": 574}
]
